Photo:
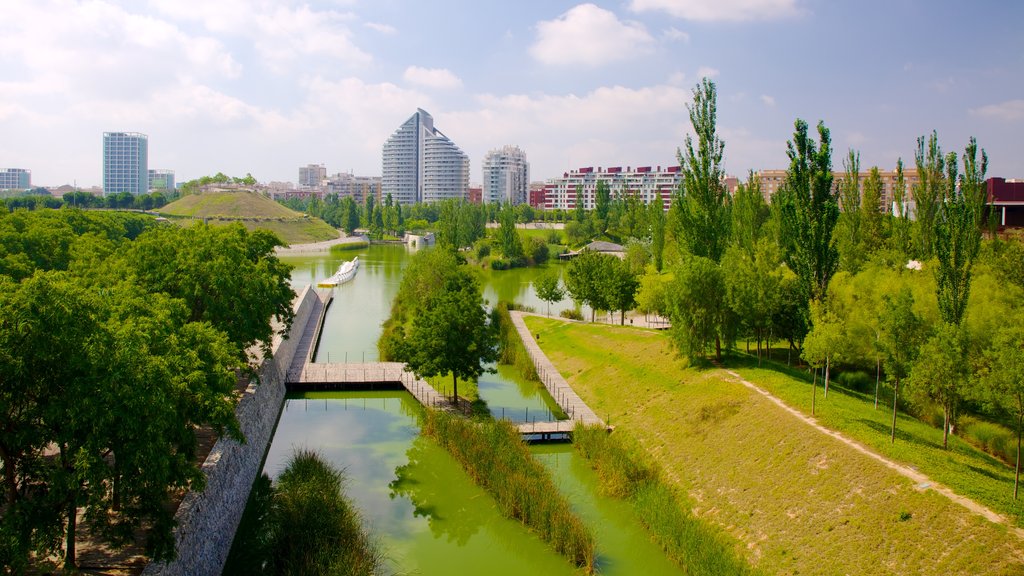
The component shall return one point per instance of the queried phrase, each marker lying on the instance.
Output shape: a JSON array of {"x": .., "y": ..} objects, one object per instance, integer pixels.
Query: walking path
[
  {"x": 314, "y": 247},
  {"x": 921, "y": 481},
  {"x": 567, "y": 399}
]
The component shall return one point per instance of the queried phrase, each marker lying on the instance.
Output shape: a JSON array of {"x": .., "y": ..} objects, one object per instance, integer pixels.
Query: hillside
[
  {"x": 790, "y": 495},
  {"x": 254, "y": 211}
]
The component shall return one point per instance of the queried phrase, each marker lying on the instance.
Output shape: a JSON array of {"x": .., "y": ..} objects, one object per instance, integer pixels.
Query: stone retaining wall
[{"x": 207, "y": 520}]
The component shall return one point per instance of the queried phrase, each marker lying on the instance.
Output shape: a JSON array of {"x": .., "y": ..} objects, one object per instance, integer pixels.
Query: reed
[
  {"x": 510, "y": 347},
  {"x": 349, "y": 246},
  {"x": 495, "y": 457},
  {"x": 695, "y": 545}
]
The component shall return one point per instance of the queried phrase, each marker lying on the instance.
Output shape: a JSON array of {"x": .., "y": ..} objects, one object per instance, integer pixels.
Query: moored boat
[{"x": 346, "y": 272}]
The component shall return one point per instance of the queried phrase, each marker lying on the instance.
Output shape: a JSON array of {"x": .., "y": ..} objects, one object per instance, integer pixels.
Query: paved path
[
  {"x": 567, "y": 399},
  {"x": 314, "y": 247},
  {"x": 921, "y": 481}
]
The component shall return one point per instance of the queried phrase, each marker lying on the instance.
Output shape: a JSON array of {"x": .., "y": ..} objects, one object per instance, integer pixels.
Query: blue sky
[{"x": 267, "y": 86}]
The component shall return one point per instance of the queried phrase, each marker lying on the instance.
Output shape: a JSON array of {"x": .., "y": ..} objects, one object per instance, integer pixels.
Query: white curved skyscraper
[
  {"x": 506, "y": 176},
  {"x": 422, "y": 165}
]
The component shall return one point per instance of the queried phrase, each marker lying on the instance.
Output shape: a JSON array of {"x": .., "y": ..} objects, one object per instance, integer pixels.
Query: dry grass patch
[{"x": 795, "y": 500}]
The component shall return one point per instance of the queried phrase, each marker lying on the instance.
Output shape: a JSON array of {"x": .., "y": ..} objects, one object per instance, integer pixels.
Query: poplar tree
[
  {"x": 849, "y": 190},
  {"x": 928, "y": 192}
]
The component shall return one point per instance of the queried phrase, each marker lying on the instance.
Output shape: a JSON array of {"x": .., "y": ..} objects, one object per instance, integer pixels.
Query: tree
[
  {"x": 586, "y": 280},
  {"x": 823, "y": 343},
  {"x": 509, "y": 243},
  {"x": 957, "y": 235},
  {"x": 808, "y": 212},
  {"x": 928, "y": 192},
  {"x": 753, "y": 284},
  {"x": 656, "y": 217},
  {"x": 548, "y": 288},
  {"x": 940, "y": 373},
  {"x": 901, "y": 330},
  {"x": 1002, "y": 375},
  {"x": 703, "y": 200},
  {"x": 602, "y": 203},
  {"x": 698, "y": 308},
  {"x": 621, "y": 287},
  {"x": 871, "y": 215},
  {"x": 450, "y": 333},
  {"x": 900, "y": 223},
  {"x": 849, "y": 189},
  {"x": 749, "y": 213}
]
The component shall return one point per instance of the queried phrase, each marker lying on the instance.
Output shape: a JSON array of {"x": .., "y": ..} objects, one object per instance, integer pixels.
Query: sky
[{"x": 267, "y": 86}]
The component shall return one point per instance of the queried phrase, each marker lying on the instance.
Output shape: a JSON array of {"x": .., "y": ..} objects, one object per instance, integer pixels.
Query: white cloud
[
  {"x": 386, "y": 29},
  {"x": 674, "y": 34},
  {"x": 768, "y": 101},
  {"x": 707, "y": 72},
  {"x": 1009, "y": 111},
  {"x": 591, "y": 36},
  {"x": 677, "y": 78},
  {"x": 720, "y": 10},
  {"x": 439, "y": 78}
]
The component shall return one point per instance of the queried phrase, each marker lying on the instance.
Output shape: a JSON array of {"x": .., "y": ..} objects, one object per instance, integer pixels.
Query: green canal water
[{"x": 427, "y": 515}]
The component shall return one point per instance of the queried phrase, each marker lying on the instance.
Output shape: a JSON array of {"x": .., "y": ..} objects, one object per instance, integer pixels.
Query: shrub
[
  {"x": 994, "y": 439},
  {"x": 539, "y": 252},
  {"x": 571, "y": 314},
  {"x": 856, "y": 380}
]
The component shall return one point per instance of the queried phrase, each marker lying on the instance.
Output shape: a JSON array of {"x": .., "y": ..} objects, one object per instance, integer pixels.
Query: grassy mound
[
  {"x": 788, "y": 495},
  {"x": 235, "y": 205},
  {"x": 254, "y": 211}
]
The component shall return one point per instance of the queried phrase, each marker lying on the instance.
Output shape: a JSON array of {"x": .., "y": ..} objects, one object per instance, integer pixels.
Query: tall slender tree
[
  {"x": 808, "y": 211},
  {"x": 849, "y": 190},
  {"x": 704, "y": 201},
  {"x": 928, "y": 192}
]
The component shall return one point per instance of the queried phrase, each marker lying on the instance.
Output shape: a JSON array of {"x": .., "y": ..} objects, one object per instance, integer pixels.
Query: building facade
[
  {"x": 161, "y": 180},
  {"x": 506, "y": 176},
  {"x": 125, "y": 163},
  {"x": 772, "y": 180},
  {"x": 359, "y": 188},
  {"x": 644, "y": 182},
  {"x": 421, "y": 164},
  {"x": 15, "y": 179},
  {"x": 312, "y": 175}
]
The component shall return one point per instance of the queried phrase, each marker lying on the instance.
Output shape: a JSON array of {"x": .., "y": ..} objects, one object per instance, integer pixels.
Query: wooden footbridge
[{"x": 305, "y": 374}]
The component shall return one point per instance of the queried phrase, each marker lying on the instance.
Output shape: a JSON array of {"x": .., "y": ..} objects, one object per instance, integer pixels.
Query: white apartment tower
[
  {"x": 422, "y": 165},
  {"x": 312, "y": 176},
  {"x": 506, "y": 176},
  {"x": 125, "y": 162}
]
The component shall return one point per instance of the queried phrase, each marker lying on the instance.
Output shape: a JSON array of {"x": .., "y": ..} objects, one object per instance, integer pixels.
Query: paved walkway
[
  {"x": 567, "y": 399},
  {"x": 315, "y": 247}
]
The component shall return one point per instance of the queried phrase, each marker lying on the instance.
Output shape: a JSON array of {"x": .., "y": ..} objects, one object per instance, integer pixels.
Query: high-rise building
[
  {"x": 161, "y": 180},
  {"x": 15, "y": 179},
  {"x": 312, "y": 176},
  {"x": 422, "y": 165},
  {"x": 125, "y": 162},
  {"x": 506, "y": 176}
]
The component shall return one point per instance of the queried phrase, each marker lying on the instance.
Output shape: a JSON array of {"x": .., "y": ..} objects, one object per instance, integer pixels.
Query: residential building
[
  {"x": 476, "y": 194},
  {"x": 125, "y": 162},
  {"x": 644, "y": 182},
  {"x": 357, "y": 187},
  {"x": 15, "y": 179},
  {"x": 161, "y": 180},
  {"x": 772, "y": 181},
  {"x": 421, "y": 164},
  {"x": 537, "y": 194},
  {"x": 1007, "y": 199},
  {"x": 506, "y": 176},
  {"x": 312, "y": 176}
]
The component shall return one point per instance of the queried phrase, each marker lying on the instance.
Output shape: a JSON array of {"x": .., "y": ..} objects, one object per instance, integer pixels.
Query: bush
[
  {"x": 856, "y": 380},
  {"x": 483, "y": 250},
  {"x": 347, "y": 246},
  {"x": 554, "y": 237},
  {"x": 539, "y": 252},
  {"x": 994, "y": 439},
  {"x": 571, "y": 314}
]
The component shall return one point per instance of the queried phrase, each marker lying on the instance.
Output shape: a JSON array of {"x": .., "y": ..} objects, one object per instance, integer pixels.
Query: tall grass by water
[
  {"x": 696, "y": 546},
  {"x": 349, "y": 246},
  {"x": 495, "y": 457},
  {"x": 303, "y": 525},
  {"x": 511, "y": 349}
]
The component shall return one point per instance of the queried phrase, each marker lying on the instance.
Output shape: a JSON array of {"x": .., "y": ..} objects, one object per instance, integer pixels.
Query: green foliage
[
  {"x": 509, "y": 243},
  {"x": 871, "y": 216},
  {"x": 750, "y": 213},
  {"x": 703, "y": 219},
  {"x": 850, "y": 242},
  {"x": 586, "y": 280},
  {"x": 511, "y": 350},
  {"x": 495, "y": 457},
  {"x": 548, "y": 288},
  {"x": 928, "y": 192},
  {"x": 349, "y": 246},
  {"x": 808, "y": 212},
  {"x": 753, "y": 283},
  {"x": 656, "y": 217},
  {"x": 698, "y": 307},
  {"x": 303, "y": 525}
]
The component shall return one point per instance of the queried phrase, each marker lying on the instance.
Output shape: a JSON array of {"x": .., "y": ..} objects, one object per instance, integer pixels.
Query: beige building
[{"x": 772, "y": 180}]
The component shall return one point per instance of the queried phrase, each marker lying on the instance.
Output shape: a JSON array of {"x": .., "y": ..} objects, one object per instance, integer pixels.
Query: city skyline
[{"x": 263, "y": 87}]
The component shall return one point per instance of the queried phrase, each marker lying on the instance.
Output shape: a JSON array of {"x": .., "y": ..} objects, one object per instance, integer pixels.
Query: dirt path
[
  {"x": 921, "y": 482},
  {"x": 314, "y": 247}
]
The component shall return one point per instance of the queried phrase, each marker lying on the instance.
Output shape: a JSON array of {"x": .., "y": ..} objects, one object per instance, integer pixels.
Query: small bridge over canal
[{"x": 305, "y": 374}]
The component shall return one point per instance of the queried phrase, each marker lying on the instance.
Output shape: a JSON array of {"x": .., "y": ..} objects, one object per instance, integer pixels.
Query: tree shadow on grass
[{"x": 901, "y": 434}]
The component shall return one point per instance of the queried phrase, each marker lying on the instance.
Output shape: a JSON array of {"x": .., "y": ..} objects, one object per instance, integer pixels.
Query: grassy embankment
[
  {"x": 252, "y": 210},
  {"x": 495, "y": 457},
  {"x": 794, "y": 499}
]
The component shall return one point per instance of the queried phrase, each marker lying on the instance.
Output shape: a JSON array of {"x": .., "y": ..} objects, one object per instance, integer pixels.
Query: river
[{"x": 426, "y": 513}]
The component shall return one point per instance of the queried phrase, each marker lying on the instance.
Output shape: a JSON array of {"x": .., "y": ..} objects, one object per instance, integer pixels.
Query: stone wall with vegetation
[{"x": 207, "y": 520}]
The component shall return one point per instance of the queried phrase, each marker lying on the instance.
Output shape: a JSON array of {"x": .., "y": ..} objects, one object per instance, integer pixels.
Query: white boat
[{"x": 346, "y": 272}]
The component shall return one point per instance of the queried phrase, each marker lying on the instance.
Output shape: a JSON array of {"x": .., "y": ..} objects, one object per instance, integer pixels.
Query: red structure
[
  {"x": 1007, "y": 198},
  {"x": 476, "y": 194}
]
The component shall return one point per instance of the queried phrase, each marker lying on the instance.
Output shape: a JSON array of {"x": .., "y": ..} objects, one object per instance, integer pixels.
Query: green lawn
[{"x": 795, "y": 500}]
